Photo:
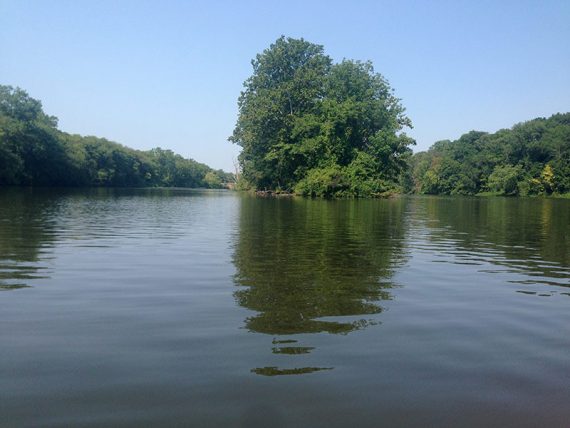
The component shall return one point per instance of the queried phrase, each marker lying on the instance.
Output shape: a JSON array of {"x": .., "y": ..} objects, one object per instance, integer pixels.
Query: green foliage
[
  {"x": 213, "y": 180},
  {"x": 504, "y": 180},
  {"x": 34, "y": 152},
  {"x": 547, "y": 178},
  {"x": 358, "y": 179},
  {"x": 531, "y": 158},
  {"x": 323, "y": 182},
  {"x": 310, "y": 125}
]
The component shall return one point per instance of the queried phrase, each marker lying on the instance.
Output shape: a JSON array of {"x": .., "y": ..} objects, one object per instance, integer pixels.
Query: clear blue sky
[{"x": 168, "y": 73}]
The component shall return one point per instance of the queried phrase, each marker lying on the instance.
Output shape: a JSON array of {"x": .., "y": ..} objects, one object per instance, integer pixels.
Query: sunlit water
[{"x": 193, "y": 308}]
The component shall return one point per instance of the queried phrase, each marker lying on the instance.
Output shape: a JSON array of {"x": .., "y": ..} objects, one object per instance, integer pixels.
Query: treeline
[
  {"x": 531, "y": 158},
  {"x": 33, "y": 152}
]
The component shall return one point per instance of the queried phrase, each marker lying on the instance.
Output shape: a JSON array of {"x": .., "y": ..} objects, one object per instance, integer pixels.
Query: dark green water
[{"x": 187, "y": 308}]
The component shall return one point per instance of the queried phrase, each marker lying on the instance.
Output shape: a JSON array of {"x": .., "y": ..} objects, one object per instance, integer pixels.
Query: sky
[{"x": 168, "y": 73}]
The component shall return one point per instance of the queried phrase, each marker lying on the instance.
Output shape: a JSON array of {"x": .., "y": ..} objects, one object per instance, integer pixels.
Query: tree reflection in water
[
  {"x": 26, "y": 236},
  {"x": 526, "y": 236},
  {"x": 299, "y": 261}
]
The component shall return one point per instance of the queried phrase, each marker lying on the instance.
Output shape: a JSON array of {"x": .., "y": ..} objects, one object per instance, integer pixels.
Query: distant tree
[
  {"x": 504, "y": 179},
  {"x": 212, "y": 180},
  {"x": 547, "y": 178},
  {"x": 29, "y": 144}
]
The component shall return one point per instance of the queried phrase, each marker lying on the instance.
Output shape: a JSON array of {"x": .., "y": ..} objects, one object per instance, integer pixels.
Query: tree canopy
[
  {"x": 531, "y": 158},
  {"x": 317, "y": 128},
  {"x": 34, "y": 152}
]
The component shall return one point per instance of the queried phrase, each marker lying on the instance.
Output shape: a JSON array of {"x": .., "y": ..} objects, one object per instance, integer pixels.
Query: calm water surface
[{"x": 189, "y": 308}]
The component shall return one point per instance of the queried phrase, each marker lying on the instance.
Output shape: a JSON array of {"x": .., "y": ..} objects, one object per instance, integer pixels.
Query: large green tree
[{"x": 317, "y": 127}]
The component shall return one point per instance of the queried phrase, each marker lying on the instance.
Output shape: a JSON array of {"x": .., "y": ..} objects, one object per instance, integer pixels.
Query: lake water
[{"x": 196, "y": 308}]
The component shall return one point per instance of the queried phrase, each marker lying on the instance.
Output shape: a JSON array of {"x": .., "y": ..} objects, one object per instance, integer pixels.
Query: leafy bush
[
  {"x": 324, "y": 182},
  {"x": 504, "y": 180}
]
